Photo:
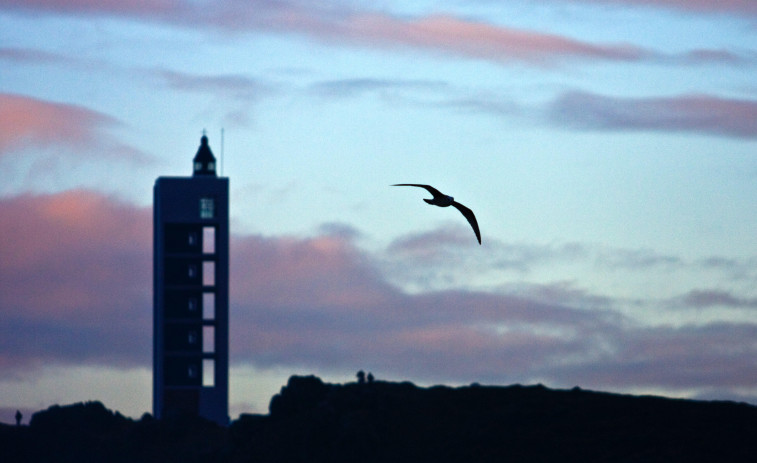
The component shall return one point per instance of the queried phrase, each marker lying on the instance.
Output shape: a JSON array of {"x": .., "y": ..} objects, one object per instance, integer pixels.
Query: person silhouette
[{"x": 19, "y": 416}]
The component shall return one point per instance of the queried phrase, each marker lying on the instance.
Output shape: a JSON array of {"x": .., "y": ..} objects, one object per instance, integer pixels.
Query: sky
[{"x": 607, "y": 147}]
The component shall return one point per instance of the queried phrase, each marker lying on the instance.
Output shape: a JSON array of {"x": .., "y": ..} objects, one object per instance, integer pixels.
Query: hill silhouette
[{"x": 313, "y": 421}]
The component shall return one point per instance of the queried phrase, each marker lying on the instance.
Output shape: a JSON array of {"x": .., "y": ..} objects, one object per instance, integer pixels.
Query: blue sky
[{"x": 606, "y": 147}]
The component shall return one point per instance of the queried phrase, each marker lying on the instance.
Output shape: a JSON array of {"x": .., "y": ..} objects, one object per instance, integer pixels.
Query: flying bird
[{"x": 443, "y": 200}]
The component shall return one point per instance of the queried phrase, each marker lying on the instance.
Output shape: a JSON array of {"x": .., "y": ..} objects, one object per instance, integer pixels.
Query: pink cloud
[
  {"x": 705, "y": 114},
  {"x": 436, "y": 33},
  {"x": 74, "y": 273},
  {"x": 480, "y": 40},
  {"x": 451, "y": 35},
  {"x": 25, "y": 120},
  {"x": 46, "y": 228},
  {"x": 72, "y": 130},
  {"x": 326, "y": 270}
]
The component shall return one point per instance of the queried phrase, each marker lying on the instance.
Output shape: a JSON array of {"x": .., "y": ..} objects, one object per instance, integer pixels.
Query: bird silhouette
[{"x": 443, "y": 200}]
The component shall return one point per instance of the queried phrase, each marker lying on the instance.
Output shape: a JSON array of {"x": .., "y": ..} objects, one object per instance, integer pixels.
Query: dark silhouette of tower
[{"x": 191, "y": 293}]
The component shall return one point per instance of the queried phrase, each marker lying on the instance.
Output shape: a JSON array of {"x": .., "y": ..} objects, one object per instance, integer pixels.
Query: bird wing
[
  {"x": 436, "y": 193},
  {"x": 471, "y": 218}
]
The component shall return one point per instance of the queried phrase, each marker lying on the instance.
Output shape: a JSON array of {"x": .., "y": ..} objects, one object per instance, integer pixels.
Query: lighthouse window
[
  {"x": 198, "y": 166},
  {"x": 208, "y": 306},
  {"x": 208, "y": 372},
  {"x": 208, "y": 339},
  {"x": 208, "y": 273},
  {"x": 207, "y": 208},
  {"x": 208, "y": 240}
]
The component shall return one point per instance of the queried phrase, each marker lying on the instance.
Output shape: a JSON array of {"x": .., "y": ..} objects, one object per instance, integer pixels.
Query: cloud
[
  {"x": 704, "y": 114},
  {"x": 426, "y": 245},
  {"x": 715, "y": 298},
  {"x": 444, "y": 254},
  {"x": 711, "y": 356},
  {"x": 359, "y": 86},
  {"x": 431, "y": 94},
  {"x": 75, "y": 289},
  {"x": 29, "y": 55},
  {"x": 74, "y": 130},
  {"x": 740, "y": 7},
  {"x": 240, "y": 14},
  {"x": 345, "y": 24},
  {"x": 239, "y": 91},
  {"x": 715, "y": 56},
  {"x": 558, "y": 333},
  {"x": 232, "y": 86},
  {"x": 321, "y": 302},
  {"x": 114, "y": 7},
  {"x": 440, "y": 33},
  {"x": 449, "y": 34},
  {"x": 29, "y": 121},
  {"x": 75, "y": 279},
  {"x": 561, "y": 292}
]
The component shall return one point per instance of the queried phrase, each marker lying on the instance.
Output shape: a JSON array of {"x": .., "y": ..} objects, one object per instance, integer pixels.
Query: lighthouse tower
[{"x": 191, "y": 293}]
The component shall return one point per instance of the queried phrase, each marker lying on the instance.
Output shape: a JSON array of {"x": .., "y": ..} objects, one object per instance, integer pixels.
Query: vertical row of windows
[
  {"x": 201, "y": 336},
  {"x": 207, "y": 211}
]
